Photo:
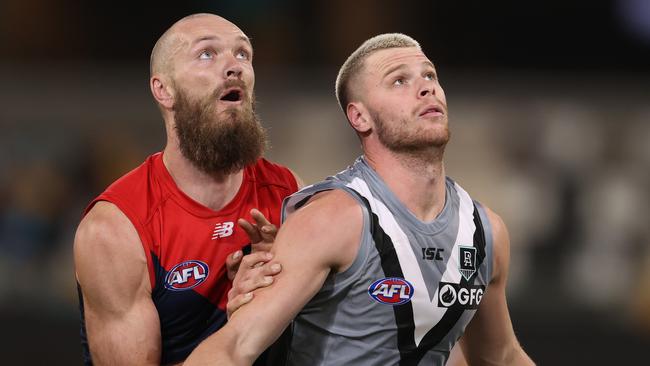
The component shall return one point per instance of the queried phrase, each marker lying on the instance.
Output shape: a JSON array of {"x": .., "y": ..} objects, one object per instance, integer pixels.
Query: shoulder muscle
[
  {"x": 329, "y": 224},
  {"x": 501, "y": 246},
  {"x": 110, "y": 263}
]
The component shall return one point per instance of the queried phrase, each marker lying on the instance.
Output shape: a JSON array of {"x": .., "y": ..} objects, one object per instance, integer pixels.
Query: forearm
[{"x": 220, "y": 349}]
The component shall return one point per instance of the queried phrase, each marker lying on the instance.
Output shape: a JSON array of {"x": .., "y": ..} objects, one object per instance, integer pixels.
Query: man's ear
[
  {"x": 161, "y": 92},
  {"x": 359, "y": 117}
]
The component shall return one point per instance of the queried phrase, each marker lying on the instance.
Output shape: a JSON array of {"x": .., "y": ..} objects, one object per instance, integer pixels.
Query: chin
[{"x": 438, "y": 136}]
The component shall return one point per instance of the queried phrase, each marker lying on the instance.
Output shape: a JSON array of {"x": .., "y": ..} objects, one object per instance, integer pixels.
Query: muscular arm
[
  {"x": 308, "y": 252},
  {"x": 489, "y": 338},
  {"x": 121, "y": 320}
]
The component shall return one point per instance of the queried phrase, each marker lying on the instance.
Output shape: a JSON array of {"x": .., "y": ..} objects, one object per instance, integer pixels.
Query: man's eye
[
  {"x": 242, "y": 55},
  {"x": 206, "y": 55},
  {"x": 430, "y": 76},
  {"x": 399, "y": 81}
]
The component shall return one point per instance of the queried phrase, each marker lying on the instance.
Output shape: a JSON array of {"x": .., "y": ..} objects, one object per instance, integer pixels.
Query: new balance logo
[{"x": 222, "y": 230}]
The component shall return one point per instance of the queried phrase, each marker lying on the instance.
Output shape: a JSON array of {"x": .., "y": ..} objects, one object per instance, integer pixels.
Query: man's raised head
[
  {"x": 176, "y": 38},
  {"x": 354, "y": 64}
]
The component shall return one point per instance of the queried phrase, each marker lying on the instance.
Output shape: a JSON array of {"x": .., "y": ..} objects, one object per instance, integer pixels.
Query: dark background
[{"x": 550, "y": 127}]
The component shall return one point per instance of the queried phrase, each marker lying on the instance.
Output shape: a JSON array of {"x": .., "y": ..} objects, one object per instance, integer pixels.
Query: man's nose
[
  {"x": 233, "y": 70},
  {"x": 427, "y": 89}
]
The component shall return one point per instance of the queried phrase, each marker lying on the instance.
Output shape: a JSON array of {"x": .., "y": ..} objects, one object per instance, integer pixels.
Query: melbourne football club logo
[
  {"x": 391, "y": 291},
  {"x": 186, "y": 275},
  {"x": 467, "y": 261}
]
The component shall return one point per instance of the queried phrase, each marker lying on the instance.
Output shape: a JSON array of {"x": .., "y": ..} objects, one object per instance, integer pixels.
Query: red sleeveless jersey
[{"x": 186, "y": 244}]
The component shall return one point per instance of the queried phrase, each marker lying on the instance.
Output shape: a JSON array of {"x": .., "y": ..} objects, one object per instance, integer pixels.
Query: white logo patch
[{"x": 222, "y": 230}]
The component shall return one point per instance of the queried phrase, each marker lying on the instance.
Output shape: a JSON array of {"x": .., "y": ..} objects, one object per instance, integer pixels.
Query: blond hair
[{"x": 354, "y": 64}]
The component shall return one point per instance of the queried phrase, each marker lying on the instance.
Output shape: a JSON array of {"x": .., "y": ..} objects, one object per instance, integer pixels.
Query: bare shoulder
[
  {"x": 501, "y": 245},
  {"x": 299, "y": 180},
  {"x": 331, "y": 224},
  {"x": 107, "y": 246},
  {"x": 106, "y": 230}
]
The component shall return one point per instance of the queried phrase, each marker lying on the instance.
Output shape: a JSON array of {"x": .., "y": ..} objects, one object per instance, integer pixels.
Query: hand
[
  {"x": 261, "y": 235},
  {"x": 254, "y": 271}
]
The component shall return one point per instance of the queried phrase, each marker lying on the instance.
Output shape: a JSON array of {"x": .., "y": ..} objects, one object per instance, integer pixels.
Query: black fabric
[
  {"x": 411, "y": 354},
  {"x": 186, "y": 318},
  {"x": 85, "y": 350}
]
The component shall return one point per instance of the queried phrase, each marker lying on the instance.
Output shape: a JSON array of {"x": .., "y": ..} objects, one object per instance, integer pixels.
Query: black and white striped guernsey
[{"x": 410, "y": 292}]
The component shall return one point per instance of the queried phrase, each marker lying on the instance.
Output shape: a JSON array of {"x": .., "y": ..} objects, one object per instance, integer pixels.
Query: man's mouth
[
  {"x": 432, "y": 111},
  {"x": 233, "y": 95}
]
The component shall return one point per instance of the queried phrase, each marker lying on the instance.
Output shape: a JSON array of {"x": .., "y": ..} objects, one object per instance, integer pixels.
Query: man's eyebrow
[
  {"x": 215, "y": 37},
  {"x": 393, "y": 69},
  {"x": 245, "y": 39},
  {"x": 205, "y": 38}
]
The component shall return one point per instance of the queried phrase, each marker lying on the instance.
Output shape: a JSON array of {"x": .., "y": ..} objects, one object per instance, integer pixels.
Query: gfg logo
[
  {"x": 468, "y": 296},
  {"x": 391, "y": 291},
  {"x": 186, "y": 275}
]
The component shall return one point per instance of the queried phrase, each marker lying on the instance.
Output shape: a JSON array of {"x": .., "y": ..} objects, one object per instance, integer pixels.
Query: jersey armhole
[
  {"x": 145, "y": 241},
  {"x": 487, "y": 232},
  {"x": 300, "y": 198}
]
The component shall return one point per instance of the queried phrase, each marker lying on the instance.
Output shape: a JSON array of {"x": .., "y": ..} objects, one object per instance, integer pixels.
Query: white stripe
[
  {"x": 426, "y": 312},
  {"x": 465, "y": 235}
]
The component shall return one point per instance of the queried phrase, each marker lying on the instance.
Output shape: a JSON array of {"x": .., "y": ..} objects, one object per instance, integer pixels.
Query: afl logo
[
  {"x": 186, "y": 275},
  {"x": 391, "y": 291}
]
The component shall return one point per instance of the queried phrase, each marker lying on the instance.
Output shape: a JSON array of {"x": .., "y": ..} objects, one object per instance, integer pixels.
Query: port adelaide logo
[
  {"x": 186, "y": 275},
  {"x": 467, "y": 261},
  {"x": 391, "y": 291},
  {"x": 465, "y": 295}
]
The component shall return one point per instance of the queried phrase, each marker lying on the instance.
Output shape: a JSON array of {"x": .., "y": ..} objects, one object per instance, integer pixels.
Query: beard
[
  {"x": 218, "y": 143},
  {"x": 398, "y": 137}
]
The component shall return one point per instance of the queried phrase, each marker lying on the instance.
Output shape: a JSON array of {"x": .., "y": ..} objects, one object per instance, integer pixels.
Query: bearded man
[{"x": 154, "y": 252}]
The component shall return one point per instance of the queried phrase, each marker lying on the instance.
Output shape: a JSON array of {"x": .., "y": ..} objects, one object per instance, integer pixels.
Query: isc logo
[
  {"x": 186, "y": 275},
  {"x": 391, "y": 291}
]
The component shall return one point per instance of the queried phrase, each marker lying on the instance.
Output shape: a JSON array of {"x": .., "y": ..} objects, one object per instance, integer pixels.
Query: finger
[
  {"x": 271, "y": 269},
  {"x": 249, "y": 261},
  {"x": 261, "y": 247},
  {"x": 239, "y": 301},
  {"x": 251, "y": 230},
  {"x": 269, "y": 232},
  {"x": 232, "y": 264},
  {"x": 255, "y": 281},
  {"x": 259, "y": 218}
]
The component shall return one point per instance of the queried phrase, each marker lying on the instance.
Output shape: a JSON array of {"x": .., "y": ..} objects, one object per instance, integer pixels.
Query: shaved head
[{"x": 174, "y": 40}]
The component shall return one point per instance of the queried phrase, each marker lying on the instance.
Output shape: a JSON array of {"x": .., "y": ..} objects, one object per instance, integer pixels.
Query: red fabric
[{"x": 174, "y": 228}]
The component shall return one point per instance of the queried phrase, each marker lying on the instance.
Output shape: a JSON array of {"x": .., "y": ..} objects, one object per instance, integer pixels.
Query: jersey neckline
[
  {"x": 189, "y": 204},
  {"x": 388, "y": 197}
]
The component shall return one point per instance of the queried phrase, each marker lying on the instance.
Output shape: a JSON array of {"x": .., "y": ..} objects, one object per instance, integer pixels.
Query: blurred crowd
[{"x": 566, "y": 167}]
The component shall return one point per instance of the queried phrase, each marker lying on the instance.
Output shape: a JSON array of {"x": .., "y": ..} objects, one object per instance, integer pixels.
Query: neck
[
  {"x": 418, "y": 181},
  {"x": 211, "y": 190}
]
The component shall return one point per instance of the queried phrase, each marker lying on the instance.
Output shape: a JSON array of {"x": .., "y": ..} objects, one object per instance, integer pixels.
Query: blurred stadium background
[{"x": 550, "y": 117}]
